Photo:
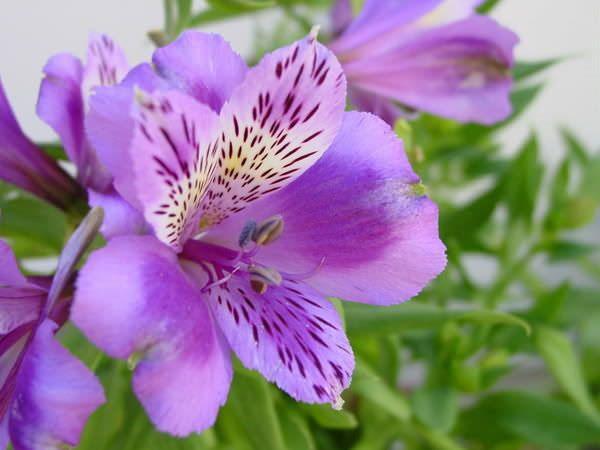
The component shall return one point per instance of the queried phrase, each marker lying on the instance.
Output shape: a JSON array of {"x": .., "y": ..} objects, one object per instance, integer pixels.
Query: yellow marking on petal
[{"x": 418, "y": 189}]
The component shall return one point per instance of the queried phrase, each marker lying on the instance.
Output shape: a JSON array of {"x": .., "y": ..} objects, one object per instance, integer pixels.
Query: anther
[
  {"x": 247, "y": 234},
  {"x": 262, "y": 277},
  {"x": 268, "y": 230}
]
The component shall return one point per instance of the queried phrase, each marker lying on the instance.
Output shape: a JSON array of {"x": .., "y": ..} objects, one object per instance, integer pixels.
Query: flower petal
[
  {"x": 106, "y": 63},
  {"x": 379, "y": 24},
  {"x": 19, "y": 306},
  {"x": 10, "y": 275},
  {"x": 459, "y": 71},
  {"x": 202, "y": 65},
  {"x": 55, "y": 395},
  {"x": 174, "y": 156},
  {"x": 25, "y": 165},
  {"x": 278, "y": 122},
  {"x": 382, "y": 107},
  {"x": 290, "y": 334},
  {"x": 61, "y": 105},
  {"x": 356, "y": 219},
  {"x": 449, "y": 11},
  {"x": 109, "y": 126},
  {"x": 120, "y": 217},
  {"x": 133, "y": 299}
]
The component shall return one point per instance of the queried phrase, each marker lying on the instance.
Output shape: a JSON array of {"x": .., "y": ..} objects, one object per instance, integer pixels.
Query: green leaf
[
  {"x": 527, "y": 69},
  {"x": 364, "y": 319},
  {"x": 521, "y": 98},
  {"x": 463, "y": 223},
  {"x": 559, "y": 355},
  {"x": 560, "y": 251},
  {"x": 488, "y": 6},
  {"x": 251, "y": 403},
  {"x": 55, "y": 150},
  {"x": 366, "y": 383},
  {"x": 295, "y": 430},
  {"x": 575, "y": 147},
  {"x": 490, "y": 317},
  {"x": 436, "y": 406},
  {"x": 540, "y": 420},
  {"x": 328, "y": 417},
  {"x": 522, "y": 181},
  {"x": 221, "y": 10},
  {"x": 33, "y": 227},
  {"x": 591, "y": 180}
]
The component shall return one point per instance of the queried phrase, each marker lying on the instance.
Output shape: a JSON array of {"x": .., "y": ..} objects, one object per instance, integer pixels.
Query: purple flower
[
  {"x": 437, "y": 56},
  {"x": 25, "y": 165},
  {"x": 63, "y": 98},
  {"x": 46, "y": 394},
  {"x": 264, "y": 198}
]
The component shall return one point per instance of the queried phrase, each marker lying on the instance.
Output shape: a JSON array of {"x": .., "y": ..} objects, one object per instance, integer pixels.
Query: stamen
[
  {"x": 268, "y": 230},
  {"x": 261, "y": 277},
  {"x": 224, "y": 279},
  {"x": 305, "y": 275},
  {"x": 247, "y": 233}
]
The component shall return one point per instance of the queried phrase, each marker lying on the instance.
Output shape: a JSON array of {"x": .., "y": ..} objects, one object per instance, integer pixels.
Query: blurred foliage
[{"x": 508, "y": 361}]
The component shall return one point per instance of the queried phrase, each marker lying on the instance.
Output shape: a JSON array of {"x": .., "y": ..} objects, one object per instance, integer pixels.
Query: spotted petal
[
  {"x": 357, "y": 219},
  {"x": 133, "y": 299},
  {"x": 174, "y": 155},
  {"x": 55, "y": 394},
  {"x": 291, "y": 334},
  {"x": 106, "y": 63},
  {"x": 278, "y": 122}
]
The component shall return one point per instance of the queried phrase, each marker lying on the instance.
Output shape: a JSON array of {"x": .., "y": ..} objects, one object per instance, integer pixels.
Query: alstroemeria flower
[
  {"x": 63, "y": 103},
  {"x": 63, "y": 99},
  {"x": 437, "y": 56},
  {"x": 25, "y": 165},
  {"x": 262, "y": 203},
  {"x": 46, "y": 394}
]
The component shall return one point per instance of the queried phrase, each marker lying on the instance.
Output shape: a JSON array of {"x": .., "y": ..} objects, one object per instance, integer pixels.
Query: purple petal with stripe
[
  {"x": 201, "y": 65},
  {"x": 461, "y": 71},
  {"x": 290, "y": 334},
  {"x": 106, "y": 63},
  {"x": 278, "y": 122},
  {"x": 55, "y": 394},
  {"x": 25, "y": 165},
  {"x": 64, "y": 96},
  {"x": 355, "y": 219},
  {"x": 109, "y": 126},
  {"x": 133, "y": 299}
]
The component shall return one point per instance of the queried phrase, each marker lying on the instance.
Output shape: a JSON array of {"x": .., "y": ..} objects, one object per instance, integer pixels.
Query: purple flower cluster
[{"x": 237, "y": 201}]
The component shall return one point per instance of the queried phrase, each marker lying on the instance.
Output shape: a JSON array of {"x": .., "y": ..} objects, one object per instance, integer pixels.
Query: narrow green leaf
[
  {"x": 493, "y": 318},
  {"x": 560, "y": 251},
  {"x": 251, "y": 402},
  {"x": 436, "y": 407},
  {"x": 328, "y": 417},
  {"x": 411, "y": 316},
  {"x": 544, "y": 421},
  {"x": 559, "y": 355},
  {"x": 367, "y": 383},
  {"x": 295, "y": 430},
  {"x": 527, "y": 69}
]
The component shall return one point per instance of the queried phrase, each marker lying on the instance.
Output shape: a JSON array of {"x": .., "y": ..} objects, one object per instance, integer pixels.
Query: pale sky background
[{"x": 31, "y": 30}]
